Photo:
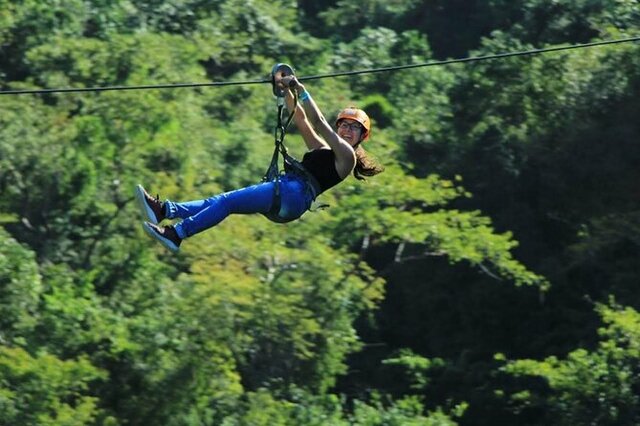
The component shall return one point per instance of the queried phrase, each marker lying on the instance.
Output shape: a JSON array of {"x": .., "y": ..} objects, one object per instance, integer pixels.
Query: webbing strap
[{"x": 273, "y": 172}]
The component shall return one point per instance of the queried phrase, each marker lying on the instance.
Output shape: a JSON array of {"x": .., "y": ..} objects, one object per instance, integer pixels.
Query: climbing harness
[{"x": 274, "y": 173}]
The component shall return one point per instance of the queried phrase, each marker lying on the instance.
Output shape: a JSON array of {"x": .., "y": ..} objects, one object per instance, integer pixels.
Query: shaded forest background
[{"x": 487, "y": 277}]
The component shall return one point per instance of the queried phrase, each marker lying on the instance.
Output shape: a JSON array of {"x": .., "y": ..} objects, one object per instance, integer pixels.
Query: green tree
[
  {"x": 20, "y": 290},
  {"x": 45, "y": 390},
  {"x": 586, "y": 386}
]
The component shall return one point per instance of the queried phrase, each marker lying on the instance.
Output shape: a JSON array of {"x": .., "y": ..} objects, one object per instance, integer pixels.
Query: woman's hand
[{"x": 291, "y": 82}]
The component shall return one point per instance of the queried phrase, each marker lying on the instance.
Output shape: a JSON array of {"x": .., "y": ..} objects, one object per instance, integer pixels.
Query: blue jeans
[{"x": 198, "y": 215}]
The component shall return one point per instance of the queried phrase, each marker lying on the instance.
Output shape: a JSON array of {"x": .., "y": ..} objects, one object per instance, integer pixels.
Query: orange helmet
[{"x": 358, "y": 115}]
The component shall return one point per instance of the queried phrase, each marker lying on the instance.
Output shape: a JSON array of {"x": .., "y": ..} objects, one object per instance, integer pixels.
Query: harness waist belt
[{"x": 293, "y": 165}]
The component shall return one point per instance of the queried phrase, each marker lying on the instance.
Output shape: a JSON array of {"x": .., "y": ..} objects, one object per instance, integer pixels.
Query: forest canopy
[{"x": 488, "y": 276}]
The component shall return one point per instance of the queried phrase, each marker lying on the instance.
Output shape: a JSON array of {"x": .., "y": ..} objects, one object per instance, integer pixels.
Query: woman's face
[{"x": 349, "y": 130}]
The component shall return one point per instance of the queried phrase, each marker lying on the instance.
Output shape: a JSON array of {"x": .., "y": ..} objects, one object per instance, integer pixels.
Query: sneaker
[
  {"x": 153, "y": 208},
  {"x": 167, "y": 235}
]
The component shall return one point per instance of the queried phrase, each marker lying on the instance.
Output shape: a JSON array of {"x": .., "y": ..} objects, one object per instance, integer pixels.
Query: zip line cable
[
  {"x": 330, "y": 75},
  {"x": 473, "y": 58},
  {"x": 142, "y": 87}
]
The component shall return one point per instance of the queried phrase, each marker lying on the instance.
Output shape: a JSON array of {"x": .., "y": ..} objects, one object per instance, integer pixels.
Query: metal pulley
[{"x": 277, "y": 73}]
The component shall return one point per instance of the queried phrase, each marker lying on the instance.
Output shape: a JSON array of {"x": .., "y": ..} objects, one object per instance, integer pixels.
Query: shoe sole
[
  {"x": 146, "y": 210},
  {"x": 164, "y": 241}
]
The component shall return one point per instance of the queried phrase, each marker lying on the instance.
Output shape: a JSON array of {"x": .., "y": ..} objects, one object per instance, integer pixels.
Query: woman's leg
[
  {"x": 203, "y": 214},
  {"x": 296, "y": 198}
]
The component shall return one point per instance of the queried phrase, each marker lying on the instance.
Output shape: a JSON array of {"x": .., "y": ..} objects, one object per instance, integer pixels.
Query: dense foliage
[{"x": 486, "y": 277}]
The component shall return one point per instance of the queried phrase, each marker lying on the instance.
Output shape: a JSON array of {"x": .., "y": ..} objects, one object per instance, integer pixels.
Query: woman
[{"x": 333, "y": 154}]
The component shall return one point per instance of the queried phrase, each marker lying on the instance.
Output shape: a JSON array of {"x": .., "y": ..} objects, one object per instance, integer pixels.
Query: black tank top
[{"x": 321, "y": 163}]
